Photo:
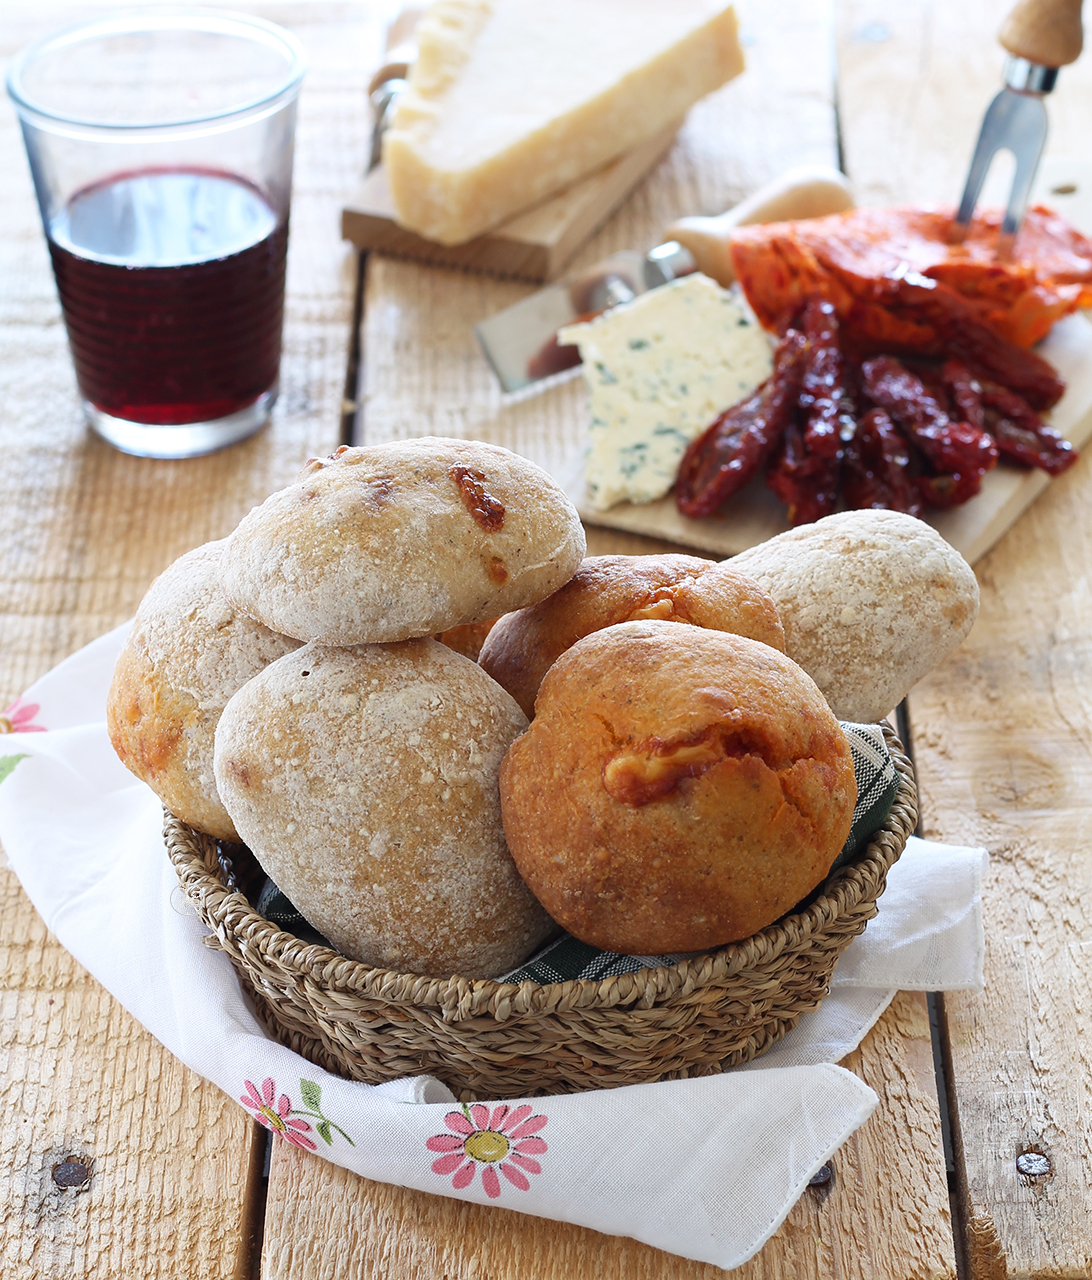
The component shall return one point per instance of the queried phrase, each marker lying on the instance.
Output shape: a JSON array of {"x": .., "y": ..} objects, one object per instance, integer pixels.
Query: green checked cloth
[{"x": 567, "y": 958}]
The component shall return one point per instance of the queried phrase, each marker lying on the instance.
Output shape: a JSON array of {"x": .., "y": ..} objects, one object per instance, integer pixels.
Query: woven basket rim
[{"x": 231, "y": 915}]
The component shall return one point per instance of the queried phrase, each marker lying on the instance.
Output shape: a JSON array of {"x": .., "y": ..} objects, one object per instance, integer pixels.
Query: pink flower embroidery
[
  {"x": 277, "y": 1117},
  {"x": 17, "y": 718},
  {"x": 502, "y": 1142}
]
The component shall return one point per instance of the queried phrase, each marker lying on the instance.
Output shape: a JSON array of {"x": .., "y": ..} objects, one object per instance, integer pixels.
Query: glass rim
[{"x": 188, "y": 18}]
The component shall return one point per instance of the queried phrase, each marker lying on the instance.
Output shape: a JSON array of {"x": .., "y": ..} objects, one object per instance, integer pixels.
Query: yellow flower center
[
  {"x": 487, "y": 1146},
  {"x": 274, "y": 1119},
  {"x": 6, "y": 725}
]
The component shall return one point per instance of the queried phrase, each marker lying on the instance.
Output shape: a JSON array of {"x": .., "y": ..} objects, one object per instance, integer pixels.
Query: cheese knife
[
  {"x": 389, "y": 80},
  {"x": 1039, "y": 36},
  {"x": 520, "y": 342}
]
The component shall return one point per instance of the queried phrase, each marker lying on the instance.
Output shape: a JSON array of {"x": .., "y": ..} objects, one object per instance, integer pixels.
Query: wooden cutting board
[
  {"x": 755, "y": 514},
  {"x": 534, "y": 245}
]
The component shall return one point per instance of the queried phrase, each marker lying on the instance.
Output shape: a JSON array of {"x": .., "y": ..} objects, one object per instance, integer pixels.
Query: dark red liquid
[{"x": 172, "y": 287}]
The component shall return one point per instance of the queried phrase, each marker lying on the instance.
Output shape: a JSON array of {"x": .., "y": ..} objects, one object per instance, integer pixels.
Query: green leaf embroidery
[
  {"x": 311, "y": 1097},
  {"x": 8, "y": 763}
]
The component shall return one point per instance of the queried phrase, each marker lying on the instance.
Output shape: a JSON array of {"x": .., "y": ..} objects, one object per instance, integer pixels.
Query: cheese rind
[
  {"x": 659, "y": 369},
  {"x": 512, "y": 100}
]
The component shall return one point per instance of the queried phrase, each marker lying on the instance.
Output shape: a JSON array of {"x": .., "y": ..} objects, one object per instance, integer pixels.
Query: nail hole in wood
[
  {"x": 71, "y": 1172},
  {"x": 1033, "y": 1164}
]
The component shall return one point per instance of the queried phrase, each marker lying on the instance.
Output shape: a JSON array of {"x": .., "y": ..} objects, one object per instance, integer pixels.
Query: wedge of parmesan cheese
[
  {"x": 509, "y": 101},
  {"x": 659, "y": 369}
]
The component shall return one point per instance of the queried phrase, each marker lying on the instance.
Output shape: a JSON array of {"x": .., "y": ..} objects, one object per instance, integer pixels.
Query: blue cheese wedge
[{"x": 659, "y": 370}]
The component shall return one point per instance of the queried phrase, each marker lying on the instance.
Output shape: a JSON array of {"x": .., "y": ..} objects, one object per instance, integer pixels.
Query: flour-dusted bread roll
[
  {"x": 187, "y": 653},
  {"x": 365, "y": 782},
  {"x": 678, "y": 789},
  {"x": 871, "y": 601},
  {"x": 606, "y": 590},
  {"x": 402, "y": 540}
]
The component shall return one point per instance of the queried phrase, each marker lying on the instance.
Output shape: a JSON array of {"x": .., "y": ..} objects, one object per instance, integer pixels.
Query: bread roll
[
  {"x": 871, "y": 601},
  {"x": 187, "y": 653},
  {"x": 468, "y": 638},
  {"x": 678, "y": 789},
  {"x": 365, "y": 782},
  {"x": 402, "y": 540},
  {"x": 606, "y": 590}
]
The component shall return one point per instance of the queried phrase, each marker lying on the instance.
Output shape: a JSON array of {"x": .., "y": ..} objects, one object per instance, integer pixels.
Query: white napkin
[{"x": 655, "y": 1162}]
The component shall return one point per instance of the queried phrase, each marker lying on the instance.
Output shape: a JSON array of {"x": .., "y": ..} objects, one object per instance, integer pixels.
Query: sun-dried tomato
[
  {"x": 951, "y": 447},
  {"x": 807, "y": 483},
  {"x": 733, "y": 449},
  {"x": 965, "y": 336},
  {"x": 965, "y": 390},
  {"x": 824, "y": 395},
  {"x": 943, "y": 491},
  {"x": 840, "y": 257},
  {"x": 1021, "y": 434},
  {"x": 878, "y": 467}
]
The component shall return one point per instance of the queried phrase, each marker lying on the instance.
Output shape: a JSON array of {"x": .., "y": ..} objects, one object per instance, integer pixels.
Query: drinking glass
[{"x": 161, "y": 144}]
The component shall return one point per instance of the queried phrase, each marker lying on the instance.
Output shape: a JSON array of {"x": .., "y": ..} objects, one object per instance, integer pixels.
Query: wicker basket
[{"x": 488, "y": 1039}]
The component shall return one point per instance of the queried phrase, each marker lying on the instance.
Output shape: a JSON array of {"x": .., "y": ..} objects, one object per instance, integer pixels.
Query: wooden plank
[
  {"x": 1003, "y": 730},
  {"x": 174, "y": 1163},
  {"x": 534, "y": 245},
  {"x": 1003, "y": 736},
  {"x": 887, "y": 1212},
  {"x": 855, "y": 1226}
]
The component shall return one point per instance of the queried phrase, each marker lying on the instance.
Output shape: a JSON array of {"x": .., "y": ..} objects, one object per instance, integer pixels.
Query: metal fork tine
[
  {"x": 1028, "y": 138},
  {"x": 989, "y": 139},
  {"x": 1015, "y": 121}
]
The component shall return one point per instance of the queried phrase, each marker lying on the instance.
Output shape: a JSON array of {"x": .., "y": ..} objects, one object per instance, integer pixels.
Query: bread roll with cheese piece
[
  {"x": 871, "y": 601},
  {"x": 365, "y": 782},
  {"x": 678, "y": 789},
  {"x": 401, "y": 540},
  {"x": 606, "y": 590},
  {"x": 187, "y": 653}
]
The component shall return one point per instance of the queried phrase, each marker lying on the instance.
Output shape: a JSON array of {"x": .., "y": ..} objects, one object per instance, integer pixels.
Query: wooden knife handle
[
  {"x": 1044, "y": 31},
  {"x": 811, "y": 191}
]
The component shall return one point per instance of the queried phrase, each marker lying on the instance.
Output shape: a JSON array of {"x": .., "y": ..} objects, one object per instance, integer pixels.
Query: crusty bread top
[
  {"x": 870, "y": 601},
  {"x": 402, "y": 540},
  {"x": 199, "y": 644}
]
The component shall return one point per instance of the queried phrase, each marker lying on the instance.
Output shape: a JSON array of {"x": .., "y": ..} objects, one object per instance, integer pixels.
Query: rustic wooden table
[{"x": 178, "y": 1182}]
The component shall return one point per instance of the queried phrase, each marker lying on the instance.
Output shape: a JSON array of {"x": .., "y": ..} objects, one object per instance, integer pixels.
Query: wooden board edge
[{"x": 533, "y": 246}]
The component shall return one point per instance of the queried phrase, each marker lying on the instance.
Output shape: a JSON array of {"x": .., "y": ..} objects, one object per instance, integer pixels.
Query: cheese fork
[{"x": 1039, "y": 36}]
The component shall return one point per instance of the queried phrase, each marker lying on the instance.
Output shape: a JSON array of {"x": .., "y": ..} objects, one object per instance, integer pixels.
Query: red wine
[{"x": 172, "y": 288}]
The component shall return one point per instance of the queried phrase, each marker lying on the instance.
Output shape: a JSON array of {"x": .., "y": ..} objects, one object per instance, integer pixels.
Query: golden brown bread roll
[
  {"x": 467, "y": 638},
  {"x": 606, "y": 590},
  {"x": 365, "y": 782},
  {"x": 678, "y": 789},
  {"x": 187, "y": 653}
]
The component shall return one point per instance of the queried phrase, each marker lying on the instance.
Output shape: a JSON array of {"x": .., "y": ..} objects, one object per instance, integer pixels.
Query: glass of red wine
[{"x": 161, "y": 148}]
